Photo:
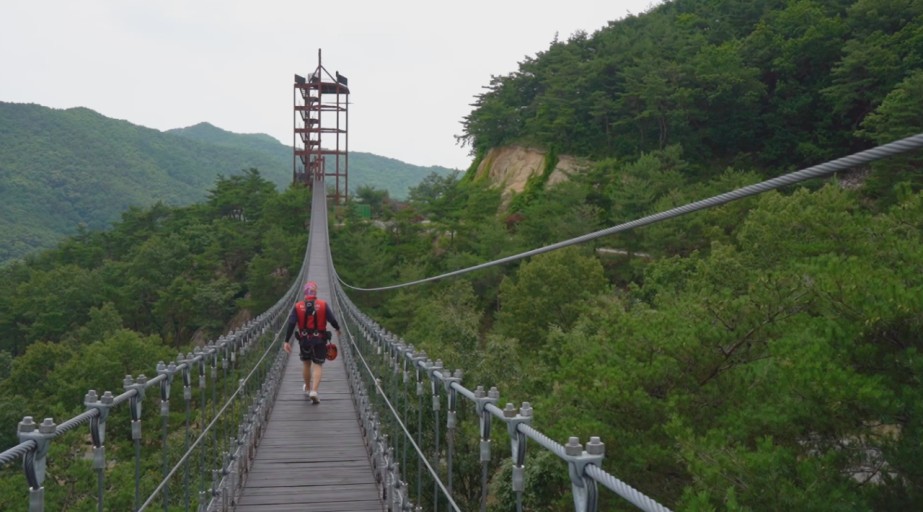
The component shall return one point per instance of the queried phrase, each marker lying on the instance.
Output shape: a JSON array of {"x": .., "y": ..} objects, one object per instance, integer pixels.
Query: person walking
[{"x": 311, "y": 317}]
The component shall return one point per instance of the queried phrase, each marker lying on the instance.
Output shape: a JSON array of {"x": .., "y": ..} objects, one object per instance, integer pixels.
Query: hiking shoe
[{"x": 314, "y": 398}]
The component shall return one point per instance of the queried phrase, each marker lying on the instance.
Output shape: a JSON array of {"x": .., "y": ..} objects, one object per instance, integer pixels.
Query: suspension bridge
[{"x": 227, "y": 426}]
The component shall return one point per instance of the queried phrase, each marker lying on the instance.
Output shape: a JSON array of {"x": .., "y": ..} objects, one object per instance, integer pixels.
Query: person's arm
[
  {"x": 292, "y": 320},
  {"x": 332, "y": 318}
]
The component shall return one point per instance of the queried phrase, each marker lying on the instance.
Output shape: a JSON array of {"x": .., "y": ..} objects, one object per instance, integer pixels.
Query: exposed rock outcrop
[{"x": 511, "y": 167}]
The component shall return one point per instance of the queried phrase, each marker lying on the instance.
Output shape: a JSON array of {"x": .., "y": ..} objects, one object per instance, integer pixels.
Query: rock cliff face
[{"x": 511, "y": 166}]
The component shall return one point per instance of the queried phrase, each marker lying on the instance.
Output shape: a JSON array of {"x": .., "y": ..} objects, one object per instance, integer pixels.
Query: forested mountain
[
  {"x": 768, "y": 85},
  {"x": 62, "y": 170},
  {"x": 365, "y": 169}
]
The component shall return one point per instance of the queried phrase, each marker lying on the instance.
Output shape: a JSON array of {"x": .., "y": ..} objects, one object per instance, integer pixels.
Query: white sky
[{"x": 414, "y": 66}]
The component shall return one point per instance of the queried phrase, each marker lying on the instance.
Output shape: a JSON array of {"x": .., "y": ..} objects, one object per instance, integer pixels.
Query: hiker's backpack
[{"x": 312, "y": 318}]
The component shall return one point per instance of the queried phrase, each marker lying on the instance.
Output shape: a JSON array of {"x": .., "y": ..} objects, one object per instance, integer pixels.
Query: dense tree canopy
[
  {"x": 762, "y": 357},
  {"x": 167, "y": 272},
  {"x": 770, "y": 85}
]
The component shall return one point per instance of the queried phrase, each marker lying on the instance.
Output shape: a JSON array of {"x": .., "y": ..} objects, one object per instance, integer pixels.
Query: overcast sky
[{"x": 414, "y": 67}]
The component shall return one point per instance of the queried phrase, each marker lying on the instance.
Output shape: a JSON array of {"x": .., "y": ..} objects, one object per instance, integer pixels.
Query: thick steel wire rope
[
  {"x": 228, "y": 402},
  {"x": 624, "y": 490},
  {"x": 21, "y": 449},
  {"x": 846, "y": 162},
  {"x": 617, "y": 486},
  {"x": 397, "y": 418},
  {"x": 17, "y": 452}
]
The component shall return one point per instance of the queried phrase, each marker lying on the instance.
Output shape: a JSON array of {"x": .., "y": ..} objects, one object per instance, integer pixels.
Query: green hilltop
[{"x": 66, "y": 170}]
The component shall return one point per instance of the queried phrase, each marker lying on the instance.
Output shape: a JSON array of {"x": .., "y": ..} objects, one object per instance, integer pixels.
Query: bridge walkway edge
[{"x": 313, "y": 456}]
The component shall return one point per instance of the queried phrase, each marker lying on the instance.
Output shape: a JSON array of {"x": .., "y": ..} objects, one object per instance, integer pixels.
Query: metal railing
[
  {"x": 376, "y": 356},
  {"x": 238, "y": 378}
]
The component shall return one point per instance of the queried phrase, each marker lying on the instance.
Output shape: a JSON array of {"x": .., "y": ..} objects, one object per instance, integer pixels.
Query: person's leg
[
  {"x": 306, "y": 375},
  {"x": 317, "y": 371}
]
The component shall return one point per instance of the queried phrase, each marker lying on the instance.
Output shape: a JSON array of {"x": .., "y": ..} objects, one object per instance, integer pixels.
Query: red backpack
[{"x": 312, "y": 318}]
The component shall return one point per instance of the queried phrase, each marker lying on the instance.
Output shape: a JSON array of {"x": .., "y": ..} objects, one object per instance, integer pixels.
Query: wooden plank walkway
[{"x": 312, "y": 456}]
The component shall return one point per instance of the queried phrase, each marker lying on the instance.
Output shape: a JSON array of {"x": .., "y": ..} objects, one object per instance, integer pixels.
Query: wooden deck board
[{"x": 312, "y": 457}]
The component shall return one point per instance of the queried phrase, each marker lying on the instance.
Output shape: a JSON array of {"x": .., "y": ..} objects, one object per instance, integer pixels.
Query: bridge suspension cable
[
  {"x": 396, "y": 358},
  {"x": 816, "y": 171}
]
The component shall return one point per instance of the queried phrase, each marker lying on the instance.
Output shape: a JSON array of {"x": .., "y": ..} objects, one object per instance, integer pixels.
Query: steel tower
[{"x": 320, "y": 141}]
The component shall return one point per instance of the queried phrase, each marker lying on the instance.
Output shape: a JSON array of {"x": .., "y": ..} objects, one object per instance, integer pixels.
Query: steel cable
[
  {"x": 75, "y": 422},
  {"x": 402, "y": 426},
  {"x": 624, "y": 490},
  {"x": 17, "y": 451},
  {"x": 890, "y": 149}
]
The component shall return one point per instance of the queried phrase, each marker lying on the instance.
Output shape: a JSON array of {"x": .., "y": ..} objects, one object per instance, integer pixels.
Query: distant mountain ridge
[
  {"x": 365, "y": 169},
  {"x": 63, "y": 169}
]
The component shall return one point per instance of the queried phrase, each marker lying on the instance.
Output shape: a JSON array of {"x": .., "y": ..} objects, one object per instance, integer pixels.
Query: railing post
[
  {"x": 238, "y": 457},
  {"x": 389, "y": 468},
  {"x": 450, "y": 423},
  {"x": 203, "y": 500},
  {"x": 481, "y": 400},
  {"x": 212, "y": 353},
  {"x": 406, "y": 354},
  {"x": 585, "y": 492},
  {"x": 224, "y": 345},
  {"x": 376, "y": 449},
  {"x": 199, "y": 355},
  {"x": 167, "y": 371},
  {"x": 35, "y": 461},
  {"x": 215, "y": 491},
  {"x": 98, "y": 436},
  {"x": 186, "y": 363},
  {"x": 518, "y": 444},
  {"x": 397, "y": 360},
  {"x": 236, "y": 343},
  {"x": 420, "y": 363},
  {"x": 399, "y": 500},
  {"x": 135, "y": 406},
  {"x": 435, "y": 374},
  {"x": 225, "y": 491}
]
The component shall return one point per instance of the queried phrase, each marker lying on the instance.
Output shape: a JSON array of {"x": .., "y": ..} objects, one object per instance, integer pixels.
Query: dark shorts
[{"x": 314, "y": 350}]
